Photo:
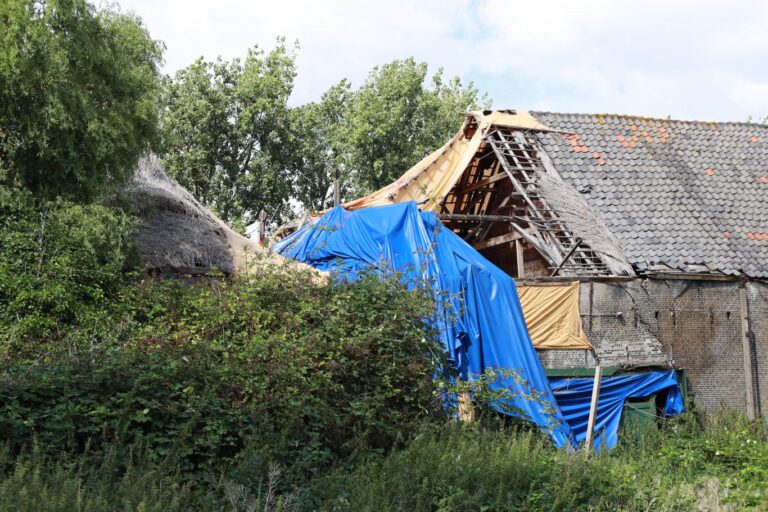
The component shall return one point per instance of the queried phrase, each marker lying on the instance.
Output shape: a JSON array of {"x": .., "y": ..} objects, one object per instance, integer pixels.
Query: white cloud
[
  {"x": 750, "y": 95},
  {"x": 688, "y": 59}
]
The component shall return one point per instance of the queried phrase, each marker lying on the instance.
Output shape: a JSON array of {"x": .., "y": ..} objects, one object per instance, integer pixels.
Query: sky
[{"x": 703, "y": 59}]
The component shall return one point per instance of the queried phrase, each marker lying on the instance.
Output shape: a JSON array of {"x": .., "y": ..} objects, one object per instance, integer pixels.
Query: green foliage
[
  {"x": 730, "y": 448},
  {"x": 396, "y": 119},
  {"x": 201, "y": 391},
  {"x": 33, "y": 484},
  {"x": 225, "y": 127},
  {"x": 464, "y": 467},
  {"x": 60, "y": 265},
  {"x": 79, "y": 96},
  {"x": 273, "y": 368},
  {"x": 450, "y": 467},
  {"x": 318, "y": 139},
  {"x": 374, "y": 134},
  {"x": 467, "y": 468},
  {"x": 230, "y": 137}
]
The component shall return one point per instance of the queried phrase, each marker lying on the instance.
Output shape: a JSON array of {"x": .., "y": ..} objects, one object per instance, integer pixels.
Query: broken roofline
[
  {"x": 496, "y": 165},
  {"x": 461, "y": 168},
  {"x": 682, "y": 196}
]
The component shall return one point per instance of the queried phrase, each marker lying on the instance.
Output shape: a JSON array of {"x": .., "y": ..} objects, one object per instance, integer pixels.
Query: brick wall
[
  {"x": 615, "y": 326},
  {"x": 757, "y": 300},
  {"x": 690, "y": 324}
]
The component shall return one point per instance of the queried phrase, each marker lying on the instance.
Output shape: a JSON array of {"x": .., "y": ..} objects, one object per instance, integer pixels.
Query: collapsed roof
[
  {"x": 178, "y": 235},
  {"x": 681, "y": 194},
  {"x": 599, "y": 194}
]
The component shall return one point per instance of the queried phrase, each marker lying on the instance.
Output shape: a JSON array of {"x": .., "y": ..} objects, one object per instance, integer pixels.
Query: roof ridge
[{"x": 649, "y": 118}]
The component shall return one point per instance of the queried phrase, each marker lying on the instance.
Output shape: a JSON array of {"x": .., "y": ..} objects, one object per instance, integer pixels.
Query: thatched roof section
[{"x": 179, "y": 235}]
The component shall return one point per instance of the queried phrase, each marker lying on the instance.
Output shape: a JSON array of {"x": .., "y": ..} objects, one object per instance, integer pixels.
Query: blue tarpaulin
[
  {"x": 574, "y": 395},
  {"x": 482, "y": 327}
]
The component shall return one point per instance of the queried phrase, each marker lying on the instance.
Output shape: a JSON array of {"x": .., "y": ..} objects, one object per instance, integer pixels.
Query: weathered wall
[
  {"x": 616, "y": 325},
  {"x": 757, "y": 300},
  {"x": 694, "y": 325}
]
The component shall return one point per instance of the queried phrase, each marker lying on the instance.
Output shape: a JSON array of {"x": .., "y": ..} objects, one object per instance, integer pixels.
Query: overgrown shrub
[
  {"x": 272, "y": 368},
  {"x": 61, "y": 267},
  {"x": 445, "y": 468},
  {"x": 466, "y": 468},
  {"x": 174, "y": 395}
]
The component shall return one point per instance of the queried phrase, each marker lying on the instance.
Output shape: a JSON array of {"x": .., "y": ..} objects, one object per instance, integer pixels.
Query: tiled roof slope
[{"x": 679, "y": 194}]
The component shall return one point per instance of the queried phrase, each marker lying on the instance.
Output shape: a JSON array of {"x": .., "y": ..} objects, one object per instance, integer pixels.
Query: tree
[
  {"x": 395, "y": 119},
  {"x": 372, "y": 135},
  {"x": 79, "y": 92},
  {"x": 60, "y": 264},
  {"x": 230, "y": 137},
  {"x": 225, "y": 125},
  {"x": 318, "y": 145}
]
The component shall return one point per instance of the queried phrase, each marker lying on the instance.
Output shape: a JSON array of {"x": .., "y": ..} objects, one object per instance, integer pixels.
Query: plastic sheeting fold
[
  {"x": 482, "y": 325},
  {"x": 573, "y": 395}
]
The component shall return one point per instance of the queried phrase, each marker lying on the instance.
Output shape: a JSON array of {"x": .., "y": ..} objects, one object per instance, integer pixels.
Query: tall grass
[
  {"x": 689, "y": 464},
  {"x": 32, "y": 483}
]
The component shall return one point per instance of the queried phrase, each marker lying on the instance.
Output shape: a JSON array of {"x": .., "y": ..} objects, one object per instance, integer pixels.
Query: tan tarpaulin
[
  {"x": 552, "y": 316},
  {"x": 430, "y": 180}
]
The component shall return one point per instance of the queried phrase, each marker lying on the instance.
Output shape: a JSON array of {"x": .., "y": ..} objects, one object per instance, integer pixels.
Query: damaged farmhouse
[{"x": 660, "y": 226}]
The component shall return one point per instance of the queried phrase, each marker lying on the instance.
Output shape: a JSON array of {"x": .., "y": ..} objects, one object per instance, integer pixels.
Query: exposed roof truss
[{"x": 497, "y": 202}]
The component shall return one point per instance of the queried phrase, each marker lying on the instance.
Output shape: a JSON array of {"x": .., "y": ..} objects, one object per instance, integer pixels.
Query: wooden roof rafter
[{"x": 502, "y": 191}]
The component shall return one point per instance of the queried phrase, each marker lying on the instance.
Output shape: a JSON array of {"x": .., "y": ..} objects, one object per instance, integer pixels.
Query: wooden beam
[
  {"x": 478, "y": 218},
  {"x": 520, "y": 259},
  {"x": 497, "y": 240},
  {"x": 466, "y": 409},
  {"x": 337, "y": 189},
  {"x": 482, "y": 230},
  {"x": 461, "y": 185},
  {"x": 582, "y": 279},
  {"x": 545, "y": 253},
  {"x": 746, "y": 345},
  {"x": 593, "y": 409},
  {"x": 534, "y": 242},
  {"x": 486, "y": 182},
  {"x": 575, "y": 245},
  {"x": 510, "y": 172},
  {"x": 690, "y": 276}
]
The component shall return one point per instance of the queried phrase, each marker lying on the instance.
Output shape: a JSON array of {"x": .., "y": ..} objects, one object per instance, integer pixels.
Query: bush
[
  {"x": 170, "y": 395},
  {"x": 60, "y": 268},
  {"x": 243, "y": 373},
  {"x": 461, "y": 468},
  {"x": 446, "y": 467}
]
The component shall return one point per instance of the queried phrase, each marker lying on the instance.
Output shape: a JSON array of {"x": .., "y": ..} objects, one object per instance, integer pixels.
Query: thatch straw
[
  {"x": 178, "y": 234},
  {"x": 583, "y": 222}
]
